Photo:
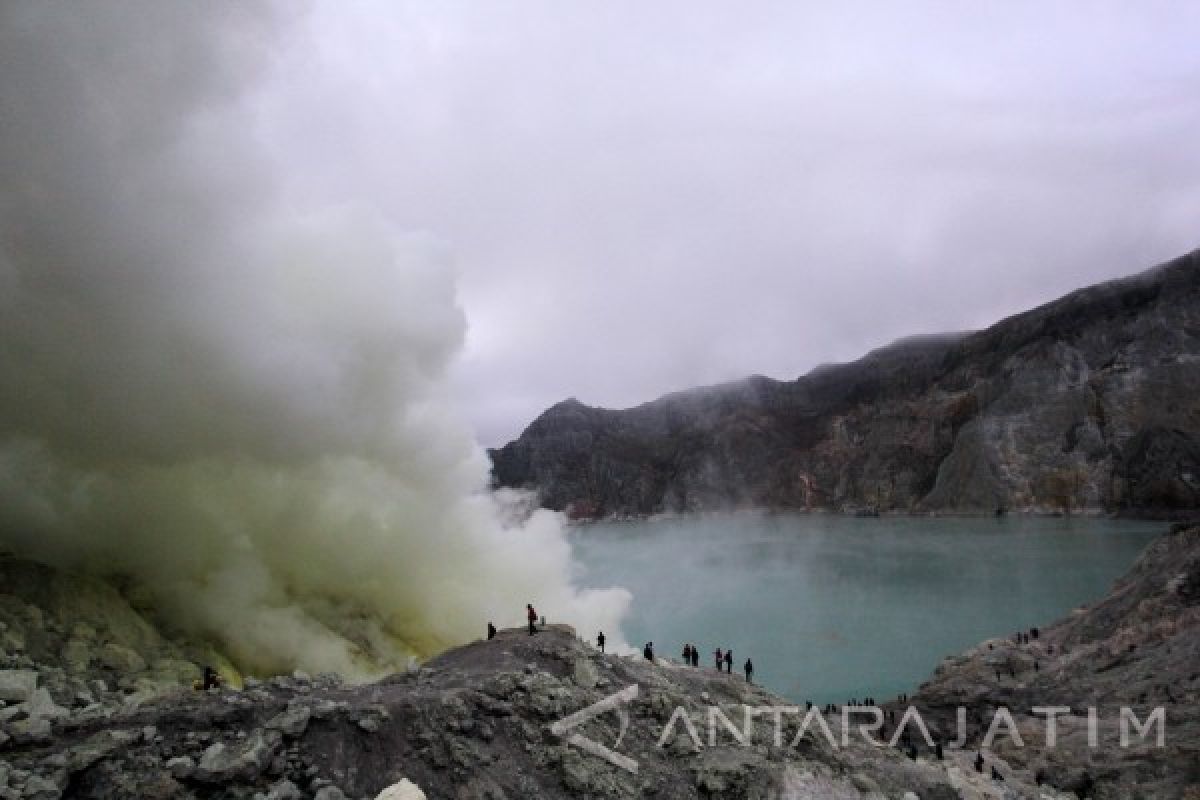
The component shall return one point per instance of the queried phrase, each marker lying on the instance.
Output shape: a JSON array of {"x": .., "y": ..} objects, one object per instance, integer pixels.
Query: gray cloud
[{"x": 643, "y": 198}]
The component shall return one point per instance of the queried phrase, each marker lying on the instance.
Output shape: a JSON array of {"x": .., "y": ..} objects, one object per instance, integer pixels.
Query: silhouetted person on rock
[
  {"x": 749, "y": 668},
  {"x": 687, "y": 654},
  {"x": 532, "y": 616},
  {"x": 600, "y": 641},
  {"x": 648, "y": 651},
  {"x": 729, "y": 661},
  {"x": 720, "y": 658},
  {"x": 695, "y": 656},
  {"x": 491, "y": 631}
]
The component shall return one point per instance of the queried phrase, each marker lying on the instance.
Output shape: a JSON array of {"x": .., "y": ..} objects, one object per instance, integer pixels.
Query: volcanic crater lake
[{"x": 832, "y": 607}]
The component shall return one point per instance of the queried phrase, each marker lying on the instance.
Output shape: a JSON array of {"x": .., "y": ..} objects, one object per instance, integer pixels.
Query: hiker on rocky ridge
[
  {"x": 749, "y": 668},
  {"x": 532, "y": 616},
  {"x": 600, "y": 641},
  {"x": 728, "y": 661},
  {"x": 491, "y": 631},
  {"x": 720, "y": 657}
]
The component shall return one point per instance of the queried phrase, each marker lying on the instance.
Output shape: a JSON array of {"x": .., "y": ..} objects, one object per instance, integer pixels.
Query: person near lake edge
[
  {"x": 648, "y": 651},
  {"x": 491, "y": 631},
  {"x": 729, "y": 661},
  {"x": 695, "y": 656},
  {"x": 749, "y": 668},
  {"x": 720, "y": 657},
  {"x": 600, "y": 641},
  {"x": 687, "y": 654},
  {"x": 532, "y": 616}
]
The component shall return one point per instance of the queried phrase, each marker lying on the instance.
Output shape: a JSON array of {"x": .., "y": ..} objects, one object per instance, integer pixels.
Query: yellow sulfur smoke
[{"x": 235, "y": 403}]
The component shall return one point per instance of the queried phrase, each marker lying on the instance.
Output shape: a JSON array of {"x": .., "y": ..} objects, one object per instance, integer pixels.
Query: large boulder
[
  {"x": 404, "y": 790},
  {"x": 222, "y": 763},
  {"x": 16, "y": 685}
]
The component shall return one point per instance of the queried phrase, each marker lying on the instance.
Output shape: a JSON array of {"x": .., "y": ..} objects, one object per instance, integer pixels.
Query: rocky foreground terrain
[
  {"x": 94, "y": 703},
  {"x": 1139, "y": 648},
  {"x": 1087, "y": 402},
  {"x": 93, "y": 707}
]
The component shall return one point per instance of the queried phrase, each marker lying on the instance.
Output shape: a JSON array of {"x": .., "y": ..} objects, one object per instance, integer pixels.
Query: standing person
[
  {"x": 600, "y": 641},
  {"x": 491, "y": 631},
  {"x": 749, "y": 667},
  {"x": 695, "y": 656},
  {"x": 532, "y": 616},
  {"x": 729, "y": 661},
  {"x": 687, "y": 654},
  {"x": 720, "y": 657},
  {"x": 648, "y": 651}
]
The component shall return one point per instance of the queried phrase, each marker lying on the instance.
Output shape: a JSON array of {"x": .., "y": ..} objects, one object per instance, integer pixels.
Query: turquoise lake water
[{"x": 832, "y": 607}]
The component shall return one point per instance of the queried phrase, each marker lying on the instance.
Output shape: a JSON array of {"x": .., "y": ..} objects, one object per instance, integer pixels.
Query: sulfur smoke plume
[{"x": 234, "y": 403}]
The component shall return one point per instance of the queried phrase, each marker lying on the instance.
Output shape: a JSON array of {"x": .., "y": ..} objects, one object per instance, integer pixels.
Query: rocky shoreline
[{"x": 94, "y": 703}]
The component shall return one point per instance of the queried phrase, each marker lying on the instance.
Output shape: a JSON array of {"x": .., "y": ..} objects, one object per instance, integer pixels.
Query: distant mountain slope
[{"x": 1088, "y": 402}]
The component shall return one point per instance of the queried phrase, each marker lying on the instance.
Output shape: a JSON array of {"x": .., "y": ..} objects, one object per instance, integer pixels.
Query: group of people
[
  {"x": 531, "y": 616},
  {"x": 723, "y": 659},
  {"x": 691, "y": 653}
]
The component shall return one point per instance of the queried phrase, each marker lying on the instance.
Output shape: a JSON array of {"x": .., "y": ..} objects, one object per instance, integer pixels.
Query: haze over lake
[{"x": 831, "y": 607}]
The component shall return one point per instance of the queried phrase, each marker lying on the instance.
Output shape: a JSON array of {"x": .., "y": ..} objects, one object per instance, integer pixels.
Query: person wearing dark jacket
[
  {"x": 749, "y": 668},
  {"x": 729, "y": 661},
  {"x": 600, "y": 641},
  {"x": 532, "y": 616},
  {"x": 491, "y": 631}
]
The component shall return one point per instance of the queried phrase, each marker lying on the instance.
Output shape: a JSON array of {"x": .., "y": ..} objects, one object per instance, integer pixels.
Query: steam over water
[
  {"x": 235, "y": 401},
  {"x": 832, "y": 608}
]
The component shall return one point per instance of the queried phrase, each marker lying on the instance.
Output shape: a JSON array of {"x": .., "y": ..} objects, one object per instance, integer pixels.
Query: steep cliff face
[{"x": 1088, "y": 402}]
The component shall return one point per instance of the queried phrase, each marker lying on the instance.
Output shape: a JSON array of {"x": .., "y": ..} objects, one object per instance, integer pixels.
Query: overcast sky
[{"x": 642, "y": 197}]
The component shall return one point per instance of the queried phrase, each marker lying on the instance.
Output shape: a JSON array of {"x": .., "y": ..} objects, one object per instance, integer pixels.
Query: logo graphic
[{"x": 614, "y": 702}]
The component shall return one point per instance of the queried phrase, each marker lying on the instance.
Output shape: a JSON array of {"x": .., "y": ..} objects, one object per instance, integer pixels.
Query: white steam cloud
[{"x": 236, "y": 403}]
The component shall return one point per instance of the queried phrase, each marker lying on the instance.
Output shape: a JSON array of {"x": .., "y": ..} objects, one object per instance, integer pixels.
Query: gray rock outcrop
[{"x": 1139, "y": 648}]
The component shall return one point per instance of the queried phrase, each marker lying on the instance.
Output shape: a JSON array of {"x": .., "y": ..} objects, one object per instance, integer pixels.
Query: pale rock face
[
  {"x": 77, "y": 655},
  {"x": 585, "y": 674},
  {"x": 16, "y": 685},
  {"x": 41, "y": 705},
  {"x": 404, "y": 790},
  {"x": 222, "y": 763},
  {"x": 121, "y": 659}
]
